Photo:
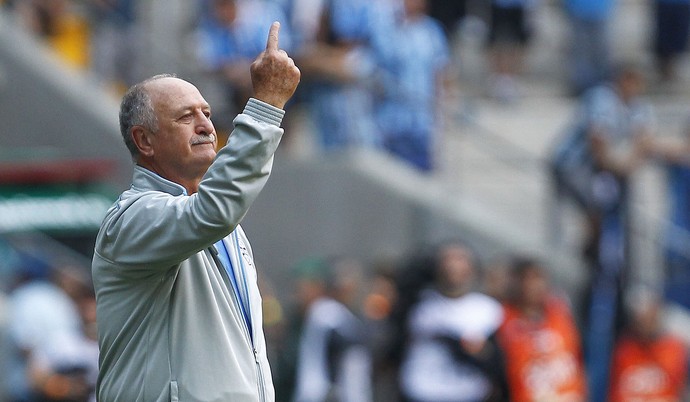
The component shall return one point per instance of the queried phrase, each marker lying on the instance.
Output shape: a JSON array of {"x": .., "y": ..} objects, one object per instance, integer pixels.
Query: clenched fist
[{"x": 274, "y": 74}]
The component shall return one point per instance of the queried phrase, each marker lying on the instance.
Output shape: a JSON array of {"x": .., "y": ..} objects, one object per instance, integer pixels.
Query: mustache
[{"x": 204, "y": 139}]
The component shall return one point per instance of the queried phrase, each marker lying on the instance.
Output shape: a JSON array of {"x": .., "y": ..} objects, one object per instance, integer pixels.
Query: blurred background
[{"x": 418, "y": 124}]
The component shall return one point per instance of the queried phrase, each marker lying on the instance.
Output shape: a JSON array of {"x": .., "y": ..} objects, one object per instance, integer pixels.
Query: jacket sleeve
[{"x": 157, "y": 229}]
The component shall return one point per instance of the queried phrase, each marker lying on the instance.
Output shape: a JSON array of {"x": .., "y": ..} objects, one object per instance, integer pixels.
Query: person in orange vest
[
  {"x": 540, "y": 340},
  {"x": 649, "y": 365}
]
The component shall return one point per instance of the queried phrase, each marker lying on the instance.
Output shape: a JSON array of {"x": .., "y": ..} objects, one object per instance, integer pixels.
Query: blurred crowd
[
  {"x": 438, "y": 325},
  {"x": 49, "y": 339},
  {"x": 375, "y": 73},
  {"x": 441, "y": 325}
]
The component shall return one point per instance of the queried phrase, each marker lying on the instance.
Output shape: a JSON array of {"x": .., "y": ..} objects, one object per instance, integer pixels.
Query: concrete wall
[{"x": 369, "y": 206}]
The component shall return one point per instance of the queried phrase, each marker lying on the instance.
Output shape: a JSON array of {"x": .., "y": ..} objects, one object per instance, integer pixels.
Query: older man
[{"x": 179, "y": 312}]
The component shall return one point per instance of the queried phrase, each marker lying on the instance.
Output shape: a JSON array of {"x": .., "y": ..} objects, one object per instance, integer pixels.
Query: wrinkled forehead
[{"x": 171, "y": 94}]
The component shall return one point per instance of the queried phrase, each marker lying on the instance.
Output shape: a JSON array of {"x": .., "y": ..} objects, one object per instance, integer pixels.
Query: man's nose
[{"x": 204, "y": 124}]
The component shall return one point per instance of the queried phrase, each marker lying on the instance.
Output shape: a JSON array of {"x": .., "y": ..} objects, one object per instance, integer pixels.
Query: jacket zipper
[
  {"x": 262, "y": 381},
  {"x": 260, "y": 376}
]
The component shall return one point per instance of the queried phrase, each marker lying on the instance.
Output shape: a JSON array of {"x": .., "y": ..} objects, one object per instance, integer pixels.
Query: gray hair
[{"x": 136, "y": 109}]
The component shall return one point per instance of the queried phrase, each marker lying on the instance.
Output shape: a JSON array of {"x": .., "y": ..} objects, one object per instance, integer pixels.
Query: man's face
[
  {"x": 185, "y": 144},
  {"x": 632, "y": 84},
  {"x": 415, "y": 8},
  {"x": 456, "y": 270},
  {"x": 225, "y": 11}
]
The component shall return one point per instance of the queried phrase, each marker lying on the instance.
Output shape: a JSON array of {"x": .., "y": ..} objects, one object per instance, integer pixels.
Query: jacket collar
[{"x": 146, "y": 180}]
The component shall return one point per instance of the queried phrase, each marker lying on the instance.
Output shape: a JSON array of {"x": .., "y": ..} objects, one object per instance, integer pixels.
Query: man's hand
[{"x": 274, "y": 74}]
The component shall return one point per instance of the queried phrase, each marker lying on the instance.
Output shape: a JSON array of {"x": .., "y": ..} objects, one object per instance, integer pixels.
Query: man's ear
[{"x": 142, "y": 139}]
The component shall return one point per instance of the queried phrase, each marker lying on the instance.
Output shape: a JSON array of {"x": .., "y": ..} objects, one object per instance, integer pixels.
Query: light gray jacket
[{"x": 169, "y": 322}]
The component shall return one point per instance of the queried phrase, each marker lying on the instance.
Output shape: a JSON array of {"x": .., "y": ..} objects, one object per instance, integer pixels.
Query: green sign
[{"x": 49, "y": 208}]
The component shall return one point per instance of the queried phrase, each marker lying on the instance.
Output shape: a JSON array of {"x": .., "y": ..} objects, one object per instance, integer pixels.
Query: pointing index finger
[{"x": 272, "y": 43}]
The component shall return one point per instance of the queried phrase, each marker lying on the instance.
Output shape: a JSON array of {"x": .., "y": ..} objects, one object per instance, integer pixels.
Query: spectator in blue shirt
[
  {"x": 411, "y": 73},
  {"x": 335, "y": 58},
  {"x": 590, "y": 42},
  {"x": 232, "y": 33}
]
